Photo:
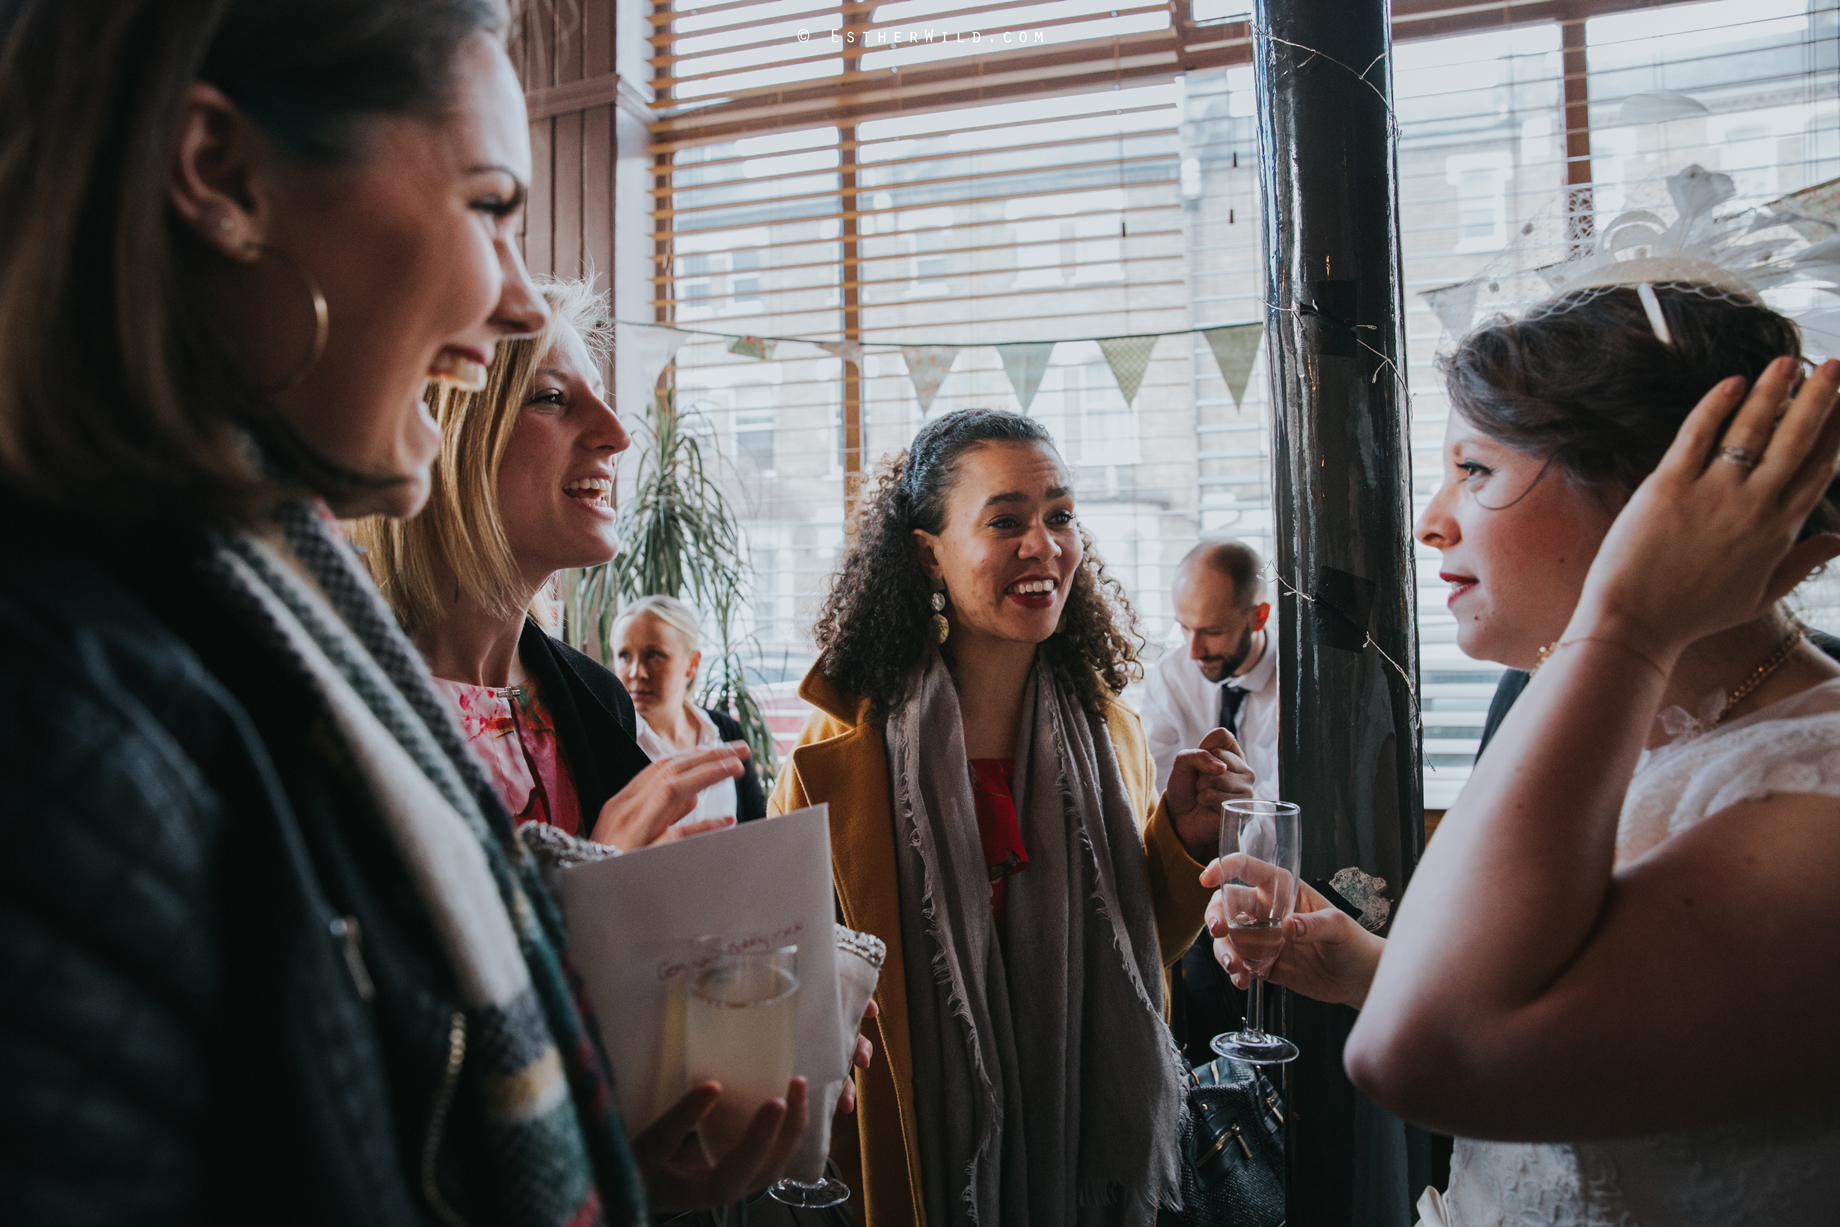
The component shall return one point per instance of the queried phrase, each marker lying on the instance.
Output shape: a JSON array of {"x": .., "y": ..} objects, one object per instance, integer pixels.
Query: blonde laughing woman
[{"x": 523, "y": 489}]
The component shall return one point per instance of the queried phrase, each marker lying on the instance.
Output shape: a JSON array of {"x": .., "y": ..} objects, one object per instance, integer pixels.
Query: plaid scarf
[{"x": 557, "y": 1145}]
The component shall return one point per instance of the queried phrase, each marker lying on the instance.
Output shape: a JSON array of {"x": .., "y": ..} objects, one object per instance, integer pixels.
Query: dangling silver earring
[{"x": 941, "y": 627}]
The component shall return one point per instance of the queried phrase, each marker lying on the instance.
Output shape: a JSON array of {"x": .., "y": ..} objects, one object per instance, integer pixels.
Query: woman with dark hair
[
  {"x": 269, "y": 947},
  {"x": 1623, "y": 930},
  {"x": 994, "y": 822}
]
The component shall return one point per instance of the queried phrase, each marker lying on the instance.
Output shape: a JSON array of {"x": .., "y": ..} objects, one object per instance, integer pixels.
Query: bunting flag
[
  {"x": 1129, "y": 358},
  {"x": 927, "y": 366},
  {"x": 1454, "y": 305},
  {"x": 645, "y": 349},
  {"x": 752, "y": 347},
  {"x": 1025, "y": 364},
  {"x": 1235, "y": 349},
  {"x": 641, "y": 352},
  {"x": 1817, "y": 207},
  {"x": 849, "y": 351},
  {"x": 1660, "y": 105}
]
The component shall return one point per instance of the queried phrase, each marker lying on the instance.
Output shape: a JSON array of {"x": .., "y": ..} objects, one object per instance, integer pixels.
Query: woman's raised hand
[
  {"x": 1326, "y": 955},
  {"x": 1707, "y": 541},
  {"x": 684, "y": 830},
  {"x": 646, "y": 811},
  {"x": 679, "y": 1173}
]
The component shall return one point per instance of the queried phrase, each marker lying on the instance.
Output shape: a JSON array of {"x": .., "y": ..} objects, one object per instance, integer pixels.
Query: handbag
[{"x": 1232, "y": 1149}]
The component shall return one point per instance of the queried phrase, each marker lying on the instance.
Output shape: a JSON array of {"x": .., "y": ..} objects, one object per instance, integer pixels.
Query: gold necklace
[{"x": 1776, "y": 661}]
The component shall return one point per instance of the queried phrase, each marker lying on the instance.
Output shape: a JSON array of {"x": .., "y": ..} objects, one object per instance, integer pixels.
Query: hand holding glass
[
  {"x": 1257, "y": 901},
  {"x": 826, "y": 1190},
  {"x": 741, "y": 1027}
]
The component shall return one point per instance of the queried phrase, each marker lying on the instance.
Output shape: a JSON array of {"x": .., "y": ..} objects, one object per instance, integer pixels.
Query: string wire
[
  {"x": 1418, "y": 717},
  {"x": 1387, "y": 362},
  {"x": 758, "y": 336}
]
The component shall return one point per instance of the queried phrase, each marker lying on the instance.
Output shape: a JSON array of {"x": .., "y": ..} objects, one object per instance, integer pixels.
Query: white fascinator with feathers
[{"x": 1776, "y": 254}]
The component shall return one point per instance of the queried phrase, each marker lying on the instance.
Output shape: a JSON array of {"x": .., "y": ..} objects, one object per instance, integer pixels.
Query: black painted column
[{"x": 1342, "y": 493}]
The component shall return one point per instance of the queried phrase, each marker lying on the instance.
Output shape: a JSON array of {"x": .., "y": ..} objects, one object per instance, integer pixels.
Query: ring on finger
[{"x": 1743, "y": 457}]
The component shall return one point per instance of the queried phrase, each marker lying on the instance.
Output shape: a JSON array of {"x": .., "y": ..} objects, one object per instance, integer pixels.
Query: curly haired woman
[{"x": 993, "y": 820}]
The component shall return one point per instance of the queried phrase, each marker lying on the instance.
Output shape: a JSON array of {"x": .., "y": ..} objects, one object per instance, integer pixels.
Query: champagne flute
[
  {"x": 741, "y": 1028},
  {"x": 1268, "y": 835},
  {"x": 826, "y": 1190}
]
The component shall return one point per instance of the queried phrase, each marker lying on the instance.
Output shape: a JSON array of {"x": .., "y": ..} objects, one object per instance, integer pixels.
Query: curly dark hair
[
  {"x": 875, "y": 625},
  {"x": 1586, "y": 382}
]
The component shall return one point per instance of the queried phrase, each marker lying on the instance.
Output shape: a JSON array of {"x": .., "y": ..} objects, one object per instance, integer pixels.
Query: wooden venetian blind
[{"x": 1093, "y": 177}]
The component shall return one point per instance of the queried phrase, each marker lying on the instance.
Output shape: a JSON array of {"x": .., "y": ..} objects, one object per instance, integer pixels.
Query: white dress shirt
[
  {"x": 718, "y": 800},
  {"x": 1181, "y": 706}
]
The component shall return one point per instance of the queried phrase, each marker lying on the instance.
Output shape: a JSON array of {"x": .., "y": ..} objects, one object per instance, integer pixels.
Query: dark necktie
[{"x": 1230, "y": 699}]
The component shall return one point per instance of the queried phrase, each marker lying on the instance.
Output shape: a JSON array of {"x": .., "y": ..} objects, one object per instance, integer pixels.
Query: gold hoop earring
[{"x": 322, "y": 316}]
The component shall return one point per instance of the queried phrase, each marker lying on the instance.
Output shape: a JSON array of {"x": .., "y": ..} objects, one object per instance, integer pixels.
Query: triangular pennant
[
  {"x": 927, "y": 366},
  {"x": 1819, "y": 207},
  {"x": 1129, "y": 358},
  {"x": 640, "y": 354},
  {"x": 849, "y": 351},
  {"x": 1659, "y": 106},
  {"x": 1454, "y": 305},
  {"x": 1235, "y": 349},
  {"x": 1025, "y": 364},
  {"x": 752, "y": 347}
]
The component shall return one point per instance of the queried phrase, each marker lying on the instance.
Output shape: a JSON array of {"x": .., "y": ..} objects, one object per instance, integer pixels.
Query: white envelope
[{"x": 633, "y": 923}]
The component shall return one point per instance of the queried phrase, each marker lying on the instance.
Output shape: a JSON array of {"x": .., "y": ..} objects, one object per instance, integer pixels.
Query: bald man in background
[{"x": 1227, "y": 678}]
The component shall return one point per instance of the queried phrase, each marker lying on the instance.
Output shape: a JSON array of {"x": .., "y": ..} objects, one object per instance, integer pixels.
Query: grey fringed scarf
[
  {"x": 1046, "y": 1086},
  {"x": 559, "y": 1153}
]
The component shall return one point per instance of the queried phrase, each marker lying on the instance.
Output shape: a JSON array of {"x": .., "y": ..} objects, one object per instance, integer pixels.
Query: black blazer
[
  {"x": 594, "y": 718},
  {"x": 598, "y": 728},
  {"x": 750, "y": 794},
  {"x": 1514, "y": 681}
]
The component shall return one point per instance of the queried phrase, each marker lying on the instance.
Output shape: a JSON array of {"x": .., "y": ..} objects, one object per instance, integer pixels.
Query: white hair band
[{"x": 1656, "y": 320}]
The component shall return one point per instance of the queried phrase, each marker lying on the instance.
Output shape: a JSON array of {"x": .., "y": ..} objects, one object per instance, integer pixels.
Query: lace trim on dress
[
  {"x": 1791, "y": 746},
  {"x": 1776, "y": 1171}
]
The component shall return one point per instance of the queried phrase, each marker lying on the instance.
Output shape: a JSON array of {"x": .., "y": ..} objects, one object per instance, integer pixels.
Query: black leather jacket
[{"x": 219, "y": 998}]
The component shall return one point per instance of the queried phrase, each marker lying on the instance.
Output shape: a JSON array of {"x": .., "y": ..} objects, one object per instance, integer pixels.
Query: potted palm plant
[{"x": 680, "y": 537}]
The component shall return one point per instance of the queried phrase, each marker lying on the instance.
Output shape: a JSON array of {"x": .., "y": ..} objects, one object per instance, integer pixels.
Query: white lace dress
[{"x": 1778, "y": 1171}]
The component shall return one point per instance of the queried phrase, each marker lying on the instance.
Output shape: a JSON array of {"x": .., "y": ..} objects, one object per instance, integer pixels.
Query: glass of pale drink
[
  {"x": 1265, "y": 841},
  {"x": 741, "y": 1027}
]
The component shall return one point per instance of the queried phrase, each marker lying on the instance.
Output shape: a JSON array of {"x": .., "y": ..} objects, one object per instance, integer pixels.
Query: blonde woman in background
[
  {"x": 522, "y": 489},
  {"x": 657, "y": 657}
]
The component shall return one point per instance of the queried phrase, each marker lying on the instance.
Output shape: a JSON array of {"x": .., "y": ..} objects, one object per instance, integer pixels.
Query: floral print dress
[{"x": 514, "y": 736}]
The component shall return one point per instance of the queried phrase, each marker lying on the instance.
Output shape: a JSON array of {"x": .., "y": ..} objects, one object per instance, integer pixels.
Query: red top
[{"x": 998, "y": 830}]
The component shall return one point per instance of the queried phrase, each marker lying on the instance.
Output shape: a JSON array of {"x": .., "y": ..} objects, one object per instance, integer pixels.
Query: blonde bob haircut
[{"x": 459, "y": 537}]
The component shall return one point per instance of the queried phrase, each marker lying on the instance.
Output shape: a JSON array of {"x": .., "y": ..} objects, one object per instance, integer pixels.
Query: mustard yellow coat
[{"x": 842, "y": 758}]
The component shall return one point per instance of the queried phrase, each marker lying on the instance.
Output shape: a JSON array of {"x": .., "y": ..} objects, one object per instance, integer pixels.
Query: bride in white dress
[{"x": 1617, "y": 960}]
